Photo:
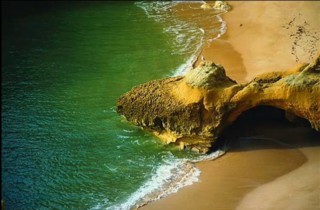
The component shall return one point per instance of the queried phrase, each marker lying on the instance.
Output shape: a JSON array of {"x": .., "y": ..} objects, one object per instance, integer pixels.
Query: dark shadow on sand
[{"x": 266, "y": 127}]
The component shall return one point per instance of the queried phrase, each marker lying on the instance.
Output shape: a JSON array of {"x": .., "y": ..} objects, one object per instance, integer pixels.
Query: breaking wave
[
  {"x": 167, "y": 178},
  {"x": 188, "y": 24}
]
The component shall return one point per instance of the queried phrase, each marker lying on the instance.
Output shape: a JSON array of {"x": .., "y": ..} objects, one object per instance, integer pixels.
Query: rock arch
[{"x": 193, "y": 110}]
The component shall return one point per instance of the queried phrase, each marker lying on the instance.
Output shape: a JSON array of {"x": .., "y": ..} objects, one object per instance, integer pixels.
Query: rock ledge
[{"x": 191, "y": 111}]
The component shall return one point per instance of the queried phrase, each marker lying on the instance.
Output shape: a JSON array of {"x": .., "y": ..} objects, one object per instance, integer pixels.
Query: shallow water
[{"x": 63, "y": 67}]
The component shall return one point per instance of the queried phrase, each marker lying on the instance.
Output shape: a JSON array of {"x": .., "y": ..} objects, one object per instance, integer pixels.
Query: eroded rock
[
  {"x": 218, "y": 5},
  {"x": 208, "y": 75},
  {"x": 191, "y": 111}
]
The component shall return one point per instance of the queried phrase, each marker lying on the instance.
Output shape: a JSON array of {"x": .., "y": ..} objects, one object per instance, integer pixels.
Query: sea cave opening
[{"x": 266, "y": 123}]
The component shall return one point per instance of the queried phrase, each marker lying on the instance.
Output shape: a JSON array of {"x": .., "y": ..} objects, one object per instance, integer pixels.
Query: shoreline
[
  {"x": 256, "y": 172},
  {"x": 247, "y": 50}
]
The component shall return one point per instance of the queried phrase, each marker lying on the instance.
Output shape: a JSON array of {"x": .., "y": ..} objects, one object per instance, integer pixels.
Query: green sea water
[
  {"x": 63, "y": 68},
  {"x": 64, "y": 65}
]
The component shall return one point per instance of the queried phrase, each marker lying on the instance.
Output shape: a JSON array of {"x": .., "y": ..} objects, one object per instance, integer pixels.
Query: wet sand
[
  {"x": 270, "y": 165},
  {"x": 266, "y": 36}
]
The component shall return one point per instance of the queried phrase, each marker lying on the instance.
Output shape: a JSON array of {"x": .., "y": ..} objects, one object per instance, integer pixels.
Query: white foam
[
  {"x": 222, "y": 29},
  {"x": 123, "y": 137},
  {"x": 211, "y": 156},
  {"x": 188, "y": 37},
  {"x": 174, "y": 173},
  {"x": 186, "y": 66},
  {"x": 168, "y": 178},
  {"x": 128, "y": 131}
]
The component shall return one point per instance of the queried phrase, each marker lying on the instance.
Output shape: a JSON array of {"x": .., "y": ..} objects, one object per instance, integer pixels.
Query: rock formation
[
  {"x": 218, "y": 5},
  {"x": 192, "y": 110}
]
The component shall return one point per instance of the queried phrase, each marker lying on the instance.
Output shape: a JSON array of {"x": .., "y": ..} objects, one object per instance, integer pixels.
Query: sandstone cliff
[{"x": 191, "y": 111}]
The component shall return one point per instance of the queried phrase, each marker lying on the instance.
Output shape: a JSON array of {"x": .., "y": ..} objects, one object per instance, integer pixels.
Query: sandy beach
[
  {"x": 258, "y": 172},
  {"x": 266, "y": 36},
  {"x": 270, "y": 165}
]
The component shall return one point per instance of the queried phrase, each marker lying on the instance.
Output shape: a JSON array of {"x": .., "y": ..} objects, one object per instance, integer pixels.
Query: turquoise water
[{"x": 63, "y": 144}]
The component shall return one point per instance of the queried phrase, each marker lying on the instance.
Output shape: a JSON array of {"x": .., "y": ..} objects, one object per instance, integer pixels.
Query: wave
[
  {"x": 189, "y": 37},
  {"x": 189, "y": 30},
  {"x": 167, "y": 178}
]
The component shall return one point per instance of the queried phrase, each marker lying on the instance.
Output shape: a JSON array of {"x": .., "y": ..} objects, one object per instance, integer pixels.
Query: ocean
[{"x": 64, "y": 65}]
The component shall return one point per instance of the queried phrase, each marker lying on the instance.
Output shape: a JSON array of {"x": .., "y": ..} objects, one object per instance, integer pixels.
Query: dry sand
[
  {"x": 266, "y": 36},
  {"x": 261, "y": 173},
  {"x": 268, "y": 167}
]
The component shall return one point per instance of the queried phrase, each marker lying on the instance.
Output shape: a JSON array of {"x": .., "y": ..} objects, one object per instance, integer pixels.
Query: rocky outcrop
[
  {"x": 218, "y": 5},
  {"x": 191, "y": 111}
]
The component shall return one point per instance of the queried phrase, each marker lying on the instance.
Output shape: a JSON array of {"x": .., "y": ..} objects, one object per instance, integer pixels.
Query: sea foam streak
[
  {"x": 189, "y": 31},
  {"x": 175, "y": 173},
  {"x": 167, "y": 179}
]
